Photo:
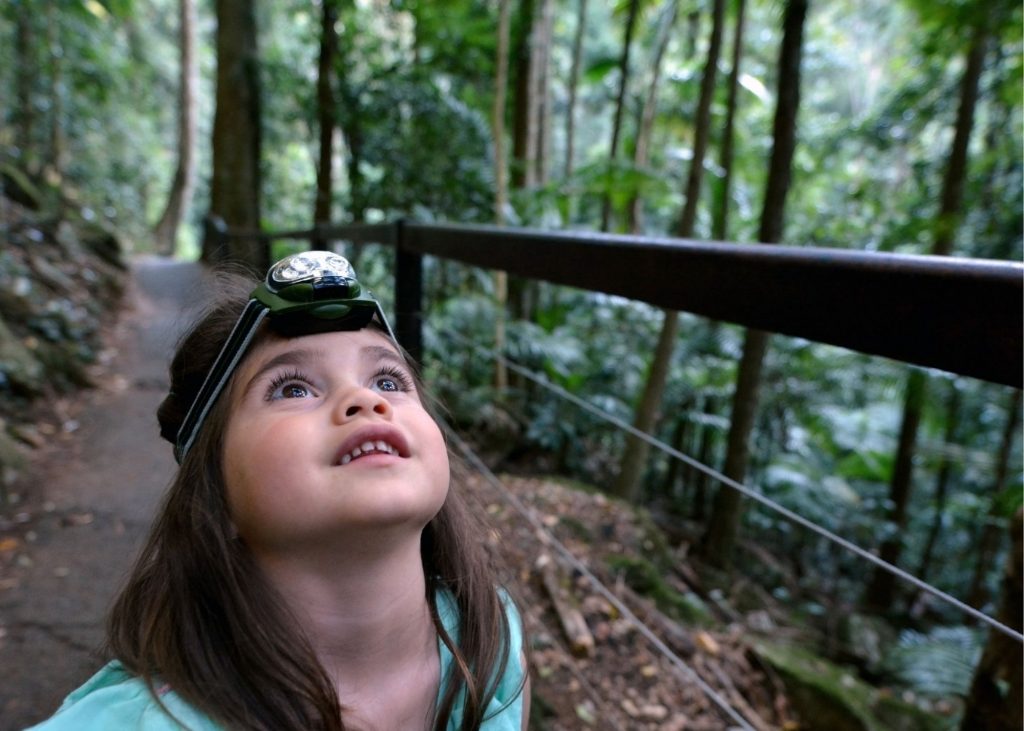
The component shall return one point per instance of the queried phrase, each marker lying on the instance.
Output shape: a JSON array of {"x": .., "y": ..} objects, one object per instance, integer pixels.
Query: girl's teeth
[{"x": 366, "y": 448}]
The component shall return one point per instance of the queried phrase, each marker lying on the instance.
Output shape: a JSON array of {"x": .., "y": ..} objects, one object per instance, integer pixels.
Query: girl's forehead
[{"x": 336, "y": 343}]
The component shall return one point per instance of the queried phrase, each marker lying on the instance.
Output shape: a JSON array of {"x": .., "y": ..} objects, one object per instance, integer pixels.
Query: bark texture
[
  {"x": 165, "y": 232},
  {"x": 996, "y": 698},
  {"x": 620, "y": 102},
  {"x": 236, "y": 181},
  {"x": 879, "y": 594},
  {"x": 719, "y": 541},
  {"x": 326, "y": 115}
]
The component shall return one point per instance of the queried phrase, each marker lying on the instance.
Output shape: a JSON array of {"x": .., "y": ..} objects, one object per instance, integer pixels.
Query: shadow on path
[{"x": 87, "y": 501}]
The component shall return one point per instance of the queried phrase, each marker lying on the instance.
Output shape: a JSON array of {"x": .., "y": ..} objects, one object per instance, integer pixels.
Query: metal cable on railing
[
  {"x": 743, "y": 489},
  {"x": 686, "y": 672}
]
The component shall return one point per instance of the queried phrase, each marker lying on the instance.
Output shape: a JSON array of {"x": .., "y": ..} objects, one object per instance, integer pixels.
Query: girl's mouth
[{"x": 370, "y": 447}]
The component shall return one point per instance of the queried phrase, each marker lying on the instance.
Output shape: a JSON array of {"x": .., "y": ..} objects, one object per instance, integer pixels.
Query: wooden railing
[{"x": 960, "y": 315}]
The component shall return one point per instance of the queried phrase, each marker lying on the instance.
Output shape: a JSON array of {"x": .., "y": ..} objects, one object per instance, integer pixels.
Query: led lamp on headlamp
[{"x": 303, "y": 294}]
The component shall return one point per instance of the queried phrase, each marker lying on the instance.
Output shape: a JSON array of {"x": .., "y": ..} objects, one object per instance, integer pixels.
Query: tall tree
[
  {"x": 501, "y": 185},
  {"x": 165, "y": 232},
  {"x": 326, "y": 115},
  {"x": 719, "y": 540},
  {"x": 524, "y": 118},
  {"x": 879, "y": 594},
  {"x": 991, "y": 532},
  {"x": 996, "y": 698},
  {"x": 941, "y": 481},
  {"x": 635, "y": 455},
  {"x": 573, "y": 84},
  {"x": 648, "y": 111},
  {"x": 720, "y": 218},
  {"x": 27, "y": 71},
  {"x": 236, "y": 181},
  {"x": 620, "y": 102}
]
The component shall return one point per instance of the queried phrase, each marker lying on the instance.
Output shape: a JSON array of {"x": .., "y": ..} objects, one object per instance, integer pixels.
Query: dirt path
[{"x": 85, "y": 504}]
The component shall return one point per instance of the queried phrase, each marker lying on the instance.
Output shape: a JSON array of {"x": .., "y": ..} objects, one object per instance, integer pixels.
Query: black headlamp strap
[{"x": 234, "y": 348}]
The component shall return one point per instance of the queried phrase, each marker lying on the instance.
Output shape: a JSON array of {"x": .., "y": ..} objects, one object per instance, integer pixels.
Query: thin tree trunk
[
  {"x": 719, "y": 541},
  {"x": 879, "y": 593},
  {"x": 522, "y": 113},
  {"x": 641, "y": 155},
  {"x": 620, "y": 103},
  {"x": 991, "y": 533},
  {"x": 635, "y": 455},
  {"x": 574, "y": 80},
  {"x": 705, "y": 452},
  {"x": 628, "y": 483},
  {"x": 165, "y": 233},
  {"x": 25, "y": 84},
  {"x": 996, "y": 697},
  {"x": 941, "y": 483},
  {"x": 327, "y": 116},
  {"x": 542, "y": 94},
  {"x": 57, "y": 151},
  {"x": 720, "y": 224},
  {"x": 236, "y": 180},
  {"x": 501, "y": 185}
]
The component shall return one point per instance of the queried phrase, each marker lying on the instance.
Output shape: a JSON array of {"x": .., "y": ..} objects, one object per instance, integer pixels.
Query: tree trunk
[
  {"x": 956, "y": 167},
  {"x": 620, "y": 103},
  {"x": 719, "y": 541},
  {"x": 57, "y": 151},
  {"x": 574, "y": 80},
  {"x": 236, "y": 180},
  {"x": 635, "y": 455},
  {"x": 522, "y": 114},
  {"x": 650, "y": 108},
  {"x": 25, "y": 84},
  {"x": 165, "y": 233},
  {"x": 541, "y": 104},
  {"x": 996, "y": 697},
  {"x": 879, "y": 593},
  {"x": 705, "y": 455},
  {"x": 327, "y": 116},
  {"x": 941, "y": 483},
  {"x": 500, "y": 188},
  {"x": 628, "y": 483},
  {"x": 991, "y": 533},
  {"x": 720, "y": 223}
]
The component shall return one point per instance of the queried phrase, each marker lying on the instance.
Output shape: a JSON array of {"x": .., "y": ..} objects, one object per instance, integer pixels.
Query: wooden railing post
[{"x": 408, "y": 295}]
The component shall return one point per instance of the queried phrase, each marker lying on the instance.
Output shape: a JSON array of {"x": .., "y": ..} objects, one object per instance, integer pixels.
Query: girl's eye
[
  {"x": 392, "y": 381},
  {"x": 289, "y": 386}
]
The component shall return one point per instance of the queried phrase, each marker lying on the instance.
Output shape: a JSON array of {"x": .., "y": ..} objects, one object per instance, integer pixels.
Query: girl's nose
[{"x": 361, "y": 402}]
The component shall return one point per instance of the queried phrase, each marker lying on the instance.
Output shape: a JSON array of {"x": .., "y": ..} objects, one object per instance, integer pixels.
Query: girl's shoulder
[
  {"x": 505, "y": 711},
  {"x": 113, "y": 698}
]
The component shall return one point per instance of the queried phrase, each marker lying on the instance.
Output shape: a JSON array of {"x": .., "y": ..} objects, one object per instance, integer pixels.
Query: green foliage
[{"x": 938, "y": 664}]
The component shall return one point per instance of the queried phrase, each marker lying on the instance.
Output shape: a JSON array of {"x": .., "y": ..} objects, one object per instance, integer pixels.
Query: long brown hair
[{"x": 198, "y": 614}]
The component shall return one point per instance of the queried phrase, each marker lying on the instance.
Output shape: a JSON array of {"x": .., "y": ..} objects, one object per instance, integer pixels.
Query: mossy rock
[
  {"x": 829, "y": 696},
  {"x": 20, "y": 371},
  {"x": 645, "y": 578},
  {"x": 18, "y": 188}
]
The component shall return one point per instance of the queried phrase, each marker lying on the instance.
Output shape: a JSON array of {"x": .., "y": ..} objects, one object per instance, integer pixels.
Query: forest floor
[{"x": 99, "y": 470}]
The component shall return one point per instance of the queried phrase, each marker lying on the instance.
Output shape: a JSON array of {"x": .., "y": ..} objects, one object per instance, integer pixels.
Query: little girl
[{"x": 311, "y": 567}]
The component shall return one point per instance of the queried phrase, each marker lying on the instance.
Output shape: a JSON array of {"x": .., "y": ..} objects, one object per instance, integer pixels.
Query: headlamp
[{"x": 311, "y": 292}]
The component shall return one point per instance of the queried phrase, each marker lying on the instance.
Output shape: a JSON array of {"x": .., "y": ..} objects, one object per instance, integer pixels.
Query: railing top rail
[{"x": 960, "y": 315}]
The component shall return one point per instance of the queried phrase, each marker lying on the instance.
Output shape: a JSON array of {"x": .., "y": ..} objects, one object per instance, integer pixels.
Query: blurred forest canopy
[{"x": 367, "y": 110}]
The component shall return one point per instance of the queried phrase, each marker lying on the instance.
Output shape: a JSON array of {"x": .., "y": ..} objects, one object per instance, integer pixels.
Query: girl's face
[{"x": 328, "y": 442}]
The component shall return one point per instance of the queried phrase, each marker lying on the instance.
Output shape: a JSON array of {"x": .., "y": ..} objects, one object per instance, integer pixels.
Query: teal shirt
[{"x": 115, "y": 700}]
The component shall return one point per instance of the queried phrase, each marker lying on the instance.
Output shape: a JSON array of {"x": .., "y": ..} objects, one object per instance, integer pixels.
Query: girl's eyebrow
[
  {"x": 296, "y": 357},
  {"x": 377, "y": 353}
]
